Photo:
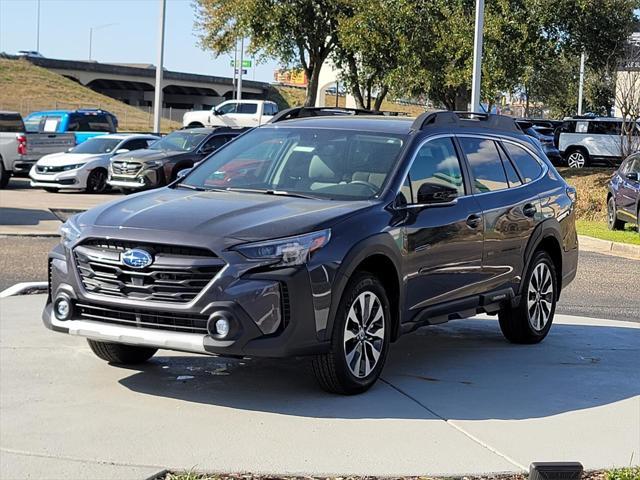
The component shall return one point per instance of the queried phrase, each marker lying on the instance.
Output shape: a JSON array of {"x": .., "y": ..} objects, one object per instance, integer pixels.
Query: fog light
[
  {"x": 222, "y": 327},
  {"x": 62, "y": 308}
]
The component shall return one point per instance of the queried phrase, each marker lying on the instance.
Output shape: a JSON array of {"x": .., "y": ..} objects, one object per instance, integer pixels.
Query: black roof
[{"x": 369, "y": 123}]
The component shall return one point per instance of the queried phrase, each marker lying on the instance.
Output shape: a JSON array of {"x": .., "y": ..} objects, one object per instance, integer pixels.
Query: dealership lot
[{"x": 446, "y": 390}]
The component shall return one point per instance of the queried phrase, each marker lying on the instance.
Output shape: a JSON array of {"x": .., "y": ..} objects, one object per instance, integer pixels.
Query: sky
[{"x": 130, "y": 37}]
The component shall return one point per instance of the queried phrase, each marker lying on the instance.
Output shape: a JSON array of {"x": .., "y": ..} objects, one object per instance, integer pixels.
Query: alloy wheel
[
  {"x": 540, "y": 297},
  {"x": 364, "y": 334},
  {"x": 576, "y": 160},
  {"x": 97, "y": 181},
  {"x": 611, "y": 213}
]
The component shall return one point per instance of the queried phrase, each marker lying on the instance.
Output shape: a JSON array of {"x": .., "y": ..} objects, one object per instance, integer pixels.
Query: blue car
[
  {"x": 85, "y": 124},
  {"x": 623, "y": 199}
]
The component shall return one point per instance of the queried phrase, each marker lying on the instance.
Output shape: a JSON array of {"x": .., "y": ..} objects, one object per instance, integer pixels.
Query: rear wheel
[
  {"x": 612, "y": 216},
  {"x": 530, "y": 321},
  {"x": 577, "y": 158},
  {"x": 97, "y": 181},
  {"x": 4, "y": 175},
  {"x": 121, "y": 354},
  {"x": 360, "y": 340}
]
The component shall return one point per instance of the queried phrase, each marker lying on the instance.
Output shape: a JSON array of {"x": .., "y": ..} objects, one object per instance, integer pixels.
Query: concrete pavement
[{"x": 454, "y": 399}]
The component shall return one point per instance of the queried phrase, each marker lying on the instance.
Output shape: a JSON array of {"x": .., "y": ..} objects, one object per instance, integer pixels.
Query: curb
[
  {"x": 608, "y": 247},
  {"x": 24, "y": 287}
]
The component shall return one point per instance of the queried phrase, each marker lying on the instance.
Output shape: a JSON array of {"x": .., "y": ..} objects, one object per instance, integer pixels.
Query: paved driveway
[{"x": 454, "y": 399}]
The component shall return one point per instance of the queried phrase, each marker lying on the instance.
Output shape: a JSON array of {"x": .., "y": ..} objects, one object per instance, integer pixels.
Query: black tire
[
  {"x": 517, "y": 322},
  {"x": 612, "y": 216},
  {"x": 51, "y": 190},
  {"x": 120, "y": 353},
  {"x": 332, "y": 370},
  {"x": 577, "y": 158},
  {"x": 97, "y": 181},
  {"x": 5, "y": 175}
]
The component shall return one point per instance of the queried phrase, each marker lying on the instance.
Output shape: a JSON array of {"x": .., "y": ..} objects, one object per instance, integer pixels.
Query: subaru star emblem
[{"x": 136, "y": 258}]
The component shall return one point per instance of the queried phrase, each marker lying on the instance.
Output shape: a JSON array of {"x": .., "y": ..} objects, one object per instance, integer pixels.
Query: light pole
[
  {"x": 91, "y": 29},
  {"x": 477, "y": 58},
  {"x": 38, "y": 27},
  {"x": 157, "y": 98},
  {"x": 581, "y": 86},
  {"x": 239, "y": 96}
]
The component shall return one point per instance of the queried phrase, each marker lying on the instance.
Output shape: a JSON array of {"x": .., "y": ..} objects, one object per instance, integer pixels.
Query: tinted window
[
  {"x": 485, "y": 163},
  {"x": 11, "y": 122},
  {"x": 183, "y": 140},
  {"x": 605, "y": 128},
  {"x": 89, "y": 123},
  {"x": 97, "y": 145},
  {"x": 214, "y": 143},
  {"x": 528, "y": 166},
  {"x": 512, "y": 175},
  {"x": 228, "y": 108},
  {"x": 436, "y": 166},
  {"x": 569, "y": 127},
  {"x": 135, "y": 144},
  {"x": 247, "y": 108}
]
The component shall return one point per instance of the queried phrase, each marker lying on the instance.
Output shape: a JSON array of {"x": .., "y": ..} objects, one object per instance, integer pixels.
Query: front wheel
[
  {"x": 577, "y": 158},
  {"x": 360, "y": 340},
  {"x": 97, "y": 181},
  {"x": 612, "y": 216},
  {"x": 120, "y": 353},
  {"x": 530, "y": 321}
]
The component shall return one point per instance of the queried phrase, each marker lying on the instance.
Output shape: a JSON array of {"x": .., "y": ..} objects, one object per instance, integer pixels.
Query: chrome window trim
[{"x": 545, "y": 168}]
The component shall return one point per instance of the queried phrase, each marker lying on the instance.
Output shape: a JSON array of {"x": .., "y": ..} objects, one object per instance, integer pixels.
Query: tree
[
  {"x": 296, "y": 32},
  {"x": 628, "y": 100}
]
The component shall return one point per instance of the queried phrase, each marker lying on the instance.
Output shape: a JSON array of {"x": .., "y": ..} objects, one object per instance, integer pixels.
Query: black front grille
[
  {"x": 177, "y": 275},
  {"x": 47, "y": 170},
  {"x": 125, "y": 168},
  {"x": 176, "y": 322}
]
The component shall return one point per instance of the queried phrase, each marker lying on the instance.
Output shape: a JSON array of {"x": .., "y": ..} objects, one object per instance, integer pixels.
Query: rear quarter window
[
  {"x": 11, "y": 123},
  {"x": 529, "y": 167}
]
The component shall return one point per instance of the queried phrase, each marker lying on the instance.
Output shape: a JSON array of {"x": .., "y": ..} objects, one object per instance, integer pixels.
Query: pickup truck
[
  {"x": 13, "y": 144},
  {"x": 55, "y": 131},
  {"x": 232, "y": 113}
]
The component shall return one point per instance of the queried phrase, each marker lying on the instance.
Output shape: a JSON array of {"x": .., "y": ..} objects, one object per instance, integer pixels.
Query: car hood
[
  {"x": 146, "y": 155},
  {"x": 65, "y": 158},
  {"x": 227, "y": 218}
]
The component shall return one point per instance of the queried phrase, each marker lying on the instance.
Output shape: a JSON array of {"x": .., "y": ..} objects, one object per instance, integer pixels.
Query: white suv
[{"x": 589, "y": 140}]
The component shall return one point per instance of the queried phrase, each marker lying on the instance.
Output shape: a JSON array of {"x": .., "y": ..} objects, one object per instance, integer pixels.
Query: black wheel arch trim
[
  {"x": 547, "y": 228},
  {"x": 379, "y": 244}
]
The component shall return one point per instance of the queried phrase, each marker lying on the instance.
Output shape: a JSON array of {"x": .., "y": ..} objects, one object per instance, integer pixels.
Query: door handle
[
  {"x": 529, "y": 210},
  {"x": 474, "y": 220}
]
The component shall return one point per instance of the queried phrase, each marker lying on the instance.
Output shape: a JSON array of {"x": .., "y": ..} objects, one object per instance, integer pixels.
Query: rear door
[
  {"x": 627, "y": 198},
  {"x": 443, "y": 239},
  {"x": 511, "y": 209}
]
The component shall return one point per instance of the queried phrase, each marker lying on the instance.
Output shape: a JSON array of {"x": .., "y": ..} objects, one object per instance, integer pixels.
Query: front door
[{"x": 443, "y": 229}]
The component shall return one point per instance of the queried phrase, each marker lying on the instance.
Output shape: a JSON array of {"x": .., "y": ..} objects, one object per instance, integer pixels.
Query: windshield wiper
[
  {"x": 191, "y": 187},
  {"x": 282, "y": 193}
]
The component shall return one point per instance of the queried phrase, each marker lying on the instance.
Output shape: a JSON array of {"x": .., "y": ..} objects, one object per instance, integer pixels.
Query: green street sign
[{"x": 245, "y": 63}]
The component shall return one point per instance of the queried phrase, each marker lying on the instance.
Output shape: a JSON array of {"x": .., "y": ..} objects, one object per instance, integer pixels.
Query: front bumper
[
  {"x": 146, "y": 178},
  {"x": 248, "y": 300},
  {"x": 73, "y": 179}
]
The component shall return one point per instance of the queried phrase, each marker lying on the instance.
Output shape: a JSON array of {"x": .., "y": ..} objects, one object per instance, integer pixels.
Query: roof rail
[
  {"x": 303, "y": 112},
  {"x": 446, "y": 118}
]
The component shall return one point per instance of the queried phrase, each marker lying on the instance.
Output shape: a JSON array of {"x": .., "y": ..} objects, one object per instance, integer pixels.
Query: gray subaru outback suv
[{"x": 324, "y": 233}]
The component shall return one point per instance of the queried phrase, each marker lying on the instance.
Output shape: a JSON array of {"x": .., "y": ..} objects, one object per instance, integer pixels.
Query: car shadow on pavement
[
  {"x": 462, "y": 370},
  {"x": 24, "y": 216}
]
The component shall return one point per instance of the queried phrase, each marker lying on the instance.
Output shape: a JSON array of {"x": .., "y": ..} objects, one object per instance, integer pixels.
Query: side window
[
  {"x": 214, "y": 143},
  {"x": 634, "y": 166},
  {"x": 227, "y": 108},
  {"x": 512, "y": 175},
  {"x": 486, "y": 164},
  {"x": 51, "y": 124},
  {"x": 435, "y": 174},
  {"x": 605, "y": 128},
  {"x": 528, "y": 166},
  {"x": 247, "y": 108}
]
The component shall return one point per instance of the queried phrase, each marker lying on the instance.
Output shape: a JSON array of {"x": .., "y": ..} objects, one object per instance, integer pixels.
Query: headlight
[
  {"x": 288, "y": 251},
  {"x": 154, "y": 163},
  {"x": 72, "y": 167},
  {"x": 69, "y": 232}
]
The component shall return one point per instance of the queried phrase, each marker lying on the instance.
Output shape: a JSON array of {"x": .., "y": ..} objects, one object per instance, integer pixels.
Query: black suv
[{"x": 328, "y": 236}]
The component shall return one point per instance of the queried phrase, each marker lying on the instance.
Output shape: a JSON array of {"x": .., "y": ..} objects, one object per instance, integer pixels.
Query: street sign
[
  {"x": 245, "y": 63},
  {"x": 244, "y": 71}
]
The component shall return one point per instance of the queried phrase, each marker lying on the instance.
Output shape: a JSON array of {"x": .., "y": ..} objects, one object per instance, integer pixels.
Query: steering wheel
[{"x": 371, "y": 186}]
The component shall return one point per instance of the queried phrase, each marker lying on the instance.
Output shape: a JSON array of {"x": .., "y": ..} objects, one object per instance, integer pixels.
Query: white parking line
[{"x": 19, "y": 288}]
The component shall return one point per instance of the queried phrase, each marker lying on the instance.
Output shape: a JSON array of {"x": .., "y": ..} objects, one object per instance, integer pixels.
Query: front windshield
[
  {"x": 182, "y": 141},
  {"x": 97, "y": 145},
  {"x": 325, "y": 163}
]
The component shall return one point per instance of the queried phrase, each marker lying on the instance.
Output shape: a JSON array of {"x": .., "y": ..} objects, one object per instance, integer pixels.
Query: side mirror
[
  {"x": 215, "y": 112},
  {"x": 632, "y": 176},
  {"x": 184, "y": 172},
  {"x": 433, "y": 193},
  {"x": 120, "y": 151}
]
